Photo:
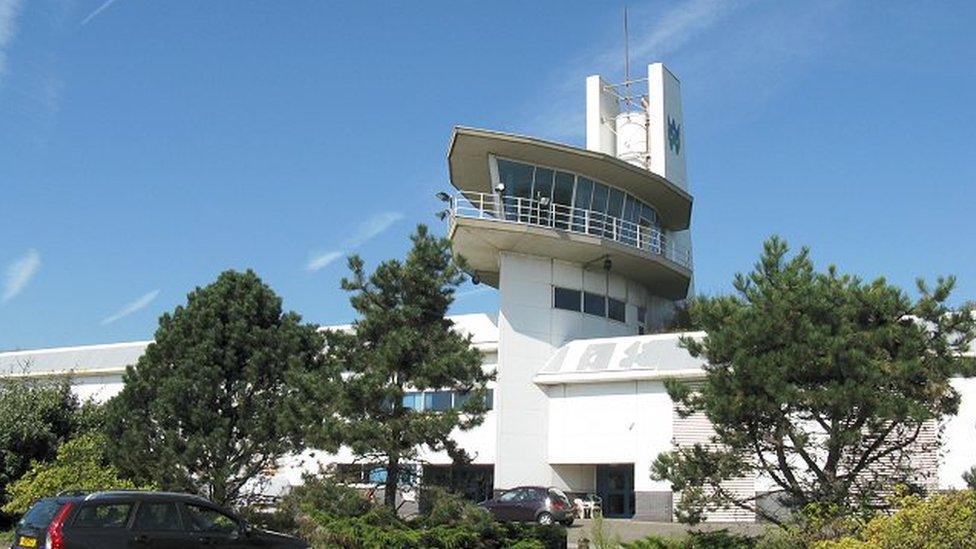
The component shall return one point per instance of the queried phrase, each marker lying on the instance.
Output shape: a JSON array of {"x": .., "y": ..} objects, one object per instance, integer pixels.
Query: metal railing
[{"x": 544, "y": 213}]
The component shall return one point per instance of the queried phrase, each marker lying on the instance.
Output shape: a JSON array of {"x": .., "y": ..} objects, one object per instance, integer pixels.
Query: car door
[
  {"x": 526, "y": 505},
  {"x": 504, "y": 504},
  {"x": 100, "y": 524},
  {"x": 212, "y": 527},
  {"x": 158, "y": 525}
]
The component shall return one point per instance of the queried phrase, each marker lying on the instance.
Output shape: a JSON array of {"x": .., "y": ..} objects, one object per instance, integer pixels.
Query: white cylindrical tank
[{"x": 631, "y": 129}]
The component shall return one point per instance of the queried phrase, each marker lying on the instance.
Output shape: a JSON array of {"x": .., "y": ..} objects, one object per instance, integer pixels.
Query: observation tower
[{"x": 580, "y": 243}]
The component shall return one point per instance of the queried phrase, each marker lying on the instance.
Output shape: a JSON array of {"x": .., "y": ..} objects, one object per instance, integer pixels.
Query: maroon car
[{"x": 531, "y": 504}]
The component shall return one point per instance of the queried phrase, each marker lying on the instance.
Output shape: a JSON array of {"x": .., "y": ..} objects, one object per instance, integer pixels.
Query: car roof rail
[{"x": 73, "y": 493}]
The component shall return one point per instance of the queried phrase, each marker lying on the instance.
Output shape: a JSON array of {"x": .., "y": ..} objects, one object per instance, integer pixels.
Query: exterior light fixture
[
  {"x": 441, "y": 215},
  {"x": 607, "y": 264},
  {"x": 500, "y": 187},
  {"x": 443, "y": 196},
  {"x": 475, "y": 279}
]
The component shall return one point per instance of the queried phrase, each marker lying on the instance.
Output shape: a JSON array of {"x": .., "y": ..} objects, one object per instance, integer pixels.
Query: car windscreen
[{"x": 41, "y": 514}]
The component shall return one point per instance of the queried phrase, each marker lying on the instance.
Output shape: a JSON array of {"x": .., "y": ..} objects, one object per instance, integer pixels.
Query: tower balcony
[{"x": 483, "y": 224}]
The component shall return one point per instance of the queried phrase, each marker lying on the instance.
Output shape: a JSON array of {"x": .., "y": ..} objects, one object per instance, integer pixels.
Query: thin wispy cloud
[
  {"x": 730, "y": 54},
  {"x": 19, "y": 274},
  {"x": 139, "y": 304},
  {"x": 369, "y": 229},
  {"x": 9, "y": 12},
  {"x": 322, "y": 260},
  {"x": 105, "y": 5}
]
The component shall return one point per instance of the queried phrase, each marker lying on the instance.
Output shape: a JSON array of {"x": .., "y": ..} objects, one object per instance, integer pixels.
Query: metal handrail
[{"x": 544, "y": 213}]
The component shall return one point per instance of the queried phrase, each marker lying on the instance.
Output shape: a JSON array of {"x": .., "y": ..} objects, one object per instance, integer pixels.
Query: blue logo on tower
[{"x": 674, "y": 136}]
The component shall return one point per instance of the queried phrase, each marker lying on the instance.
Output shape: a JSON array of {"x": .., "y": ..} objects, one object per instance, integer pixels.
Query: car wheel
[
  {"x": 545, "y": 519},
  {"x": 568, "y": 522}
]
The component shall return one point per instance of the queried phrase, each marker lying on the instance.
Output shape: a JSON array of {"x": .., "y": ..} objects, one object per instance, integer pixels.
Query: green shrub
[
  {"x": 380, "y": 529},
  {"x": 80, "y": 465},
  {"x": 945, "y": 520},
  {"x": 718, "y": 539},
  {"x": 323, "y": 494}
]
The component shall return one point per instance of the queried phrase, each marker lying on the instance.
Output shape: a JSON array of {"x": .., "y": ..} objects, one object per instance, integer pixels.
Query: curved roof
[
  {"x": 601, "y": 360},
  {"x": 468, "y": 165}
]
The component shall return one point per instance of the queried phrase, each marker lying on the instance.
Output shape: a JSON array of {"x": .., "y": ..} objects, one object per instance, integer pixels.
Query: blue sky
[{"x": 147, "y": 146}]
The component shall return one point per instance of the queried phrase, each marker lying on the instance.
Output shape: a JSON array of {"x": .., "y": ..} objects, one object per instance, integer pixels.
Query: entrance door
[{"x": 615, "y": 484}]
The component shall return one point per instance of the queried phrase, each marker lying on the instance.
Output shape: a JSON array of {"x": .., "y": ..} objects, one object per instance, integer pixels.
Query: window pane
[
  {"x": 564, "y": 298},
  {"x": 581, "y": 203},
  {"x": 616, "y": 309},
  {"x": 205, "y": 519},
  {"x": 437, "y": 401},
  {"x": 42, "y": 513},
  {"x": 594, "y": 304},
  {"x": 490, "y": 399},
  {"x": 642, "y": 315},
  {"x": 598, "y": 209},
  {"x": 157, "y": 516},
  {"x": 562, "y": 199},
  {"x": 542, "y": 193},
  {"x": 615, "y": 205},
  {"x": 412, "y": 401},
  {"x": 108, "y": 515},
  {"x": 517, "y": 178}
]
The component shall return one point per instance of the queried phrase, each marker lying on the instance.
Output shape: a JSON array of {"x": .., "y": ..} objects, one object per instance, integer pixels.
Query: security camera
[
  {"x": 475, "y": 279},
  {"x": 500, "y": 187},
  {"x": 607, "y": 264}
]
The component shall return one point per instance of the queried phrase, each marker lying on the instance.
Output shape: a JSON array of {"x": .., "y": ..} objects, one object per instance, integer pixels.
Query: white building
[{"x": 590, "y": 249}]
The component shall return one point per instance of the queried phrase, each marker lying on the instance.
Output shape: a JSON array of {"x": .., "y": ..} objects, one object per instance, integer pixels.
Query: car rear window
[
  {"x": 103, "y": 515},
  {"x": 41, "y": 514},
  {"x": 556, "y": 492}
]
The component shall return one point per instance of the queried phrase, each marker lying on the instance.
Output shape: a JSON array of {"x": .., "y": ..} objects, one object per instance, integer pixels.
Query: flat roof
[{"x": 468, "y": 166}]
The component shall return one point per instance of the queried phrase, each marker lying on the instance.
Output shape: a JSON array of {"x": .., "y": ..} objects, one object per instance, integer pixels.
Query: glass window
[
  {"x": 562, "y": 199},
  {"x": 594, "y": 304},
  {"x": 517, "y": 178},
  {"x": 209, "y": 520},
  {"x": 157, "y": 516},
  {"x": 509, "y": 496},
  {"x": 598, "y": 209},
  {"x": 564, "y": 298},
  {"x": 461, "y": 397},
  {"x": 437, "y": 401},
  {"x": 642, "y": 315},
  {"x": 616, "y": 309},
  {"x": 542, "y": 193},
  {"x": 615, "y": 204},
  {"x": 41, "y": 514},
  {"x": 106, "y": 515},
  {"x": 413, "y": 401},
  {"x": 581, "y": 201}
]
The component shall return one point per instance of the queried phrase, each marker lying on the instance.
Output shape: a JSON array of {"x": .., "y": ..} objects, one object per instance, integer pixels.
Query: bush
[
  {"x": 453, "y": 524},
  {"x": 80, "y": 465},
  {"x": 945, "y": 520},
  {"x": 718, "y": 539}
]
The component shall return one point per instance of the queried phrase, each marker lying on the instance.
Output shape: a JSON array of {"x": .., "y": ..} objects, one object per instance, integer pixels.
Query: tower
[{"x": 581, "y": 243}]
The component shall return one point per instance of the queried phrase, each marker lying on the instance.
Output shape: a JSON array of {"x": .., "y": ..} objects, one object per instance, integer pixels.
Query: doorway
[{"x": 615, "y": 485}]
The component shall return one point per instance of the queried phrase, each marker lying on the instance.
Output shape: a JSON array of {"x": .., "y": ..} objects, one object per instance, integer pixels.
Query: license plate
[{"x": 27, "y": 542}]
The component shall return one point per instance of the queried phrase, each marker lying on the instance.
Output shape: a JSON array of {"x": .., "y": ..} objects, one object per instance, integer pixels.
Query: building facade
[{"x": 590, "y": 251}]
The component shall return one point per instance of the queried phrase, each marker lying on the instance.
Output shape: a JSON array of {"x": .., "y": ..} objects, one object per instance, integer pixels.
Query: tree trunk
[{"x": 392, "y": 476}]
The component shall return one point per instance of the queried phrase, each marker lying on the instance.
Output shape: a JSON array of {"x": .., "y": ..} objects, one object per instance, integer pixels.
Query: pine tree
[
  {"x": 401, "y": 342},
  {"x": 205, "y": 409},
  {"x": 817, "y": 381}
]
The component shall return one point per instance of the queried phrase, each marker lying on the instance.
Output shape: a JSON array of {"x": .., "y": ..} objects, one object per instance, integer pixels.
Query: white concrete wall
[
  {"x": 624, "y": 422},
  {"x": 959, "y": 437}
]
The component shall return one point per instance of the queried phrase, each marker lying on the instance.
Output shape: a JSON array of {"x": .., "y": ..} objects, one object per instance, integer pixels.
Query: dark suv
[
  {"x": 131, "y": 519},
  {"x": 531, "y": 504}
]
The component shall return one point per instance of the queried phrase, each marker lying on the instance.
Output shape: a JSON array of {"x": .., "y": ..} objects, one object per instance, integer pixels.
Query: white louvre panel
[{"x": 696, "y": 429}]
